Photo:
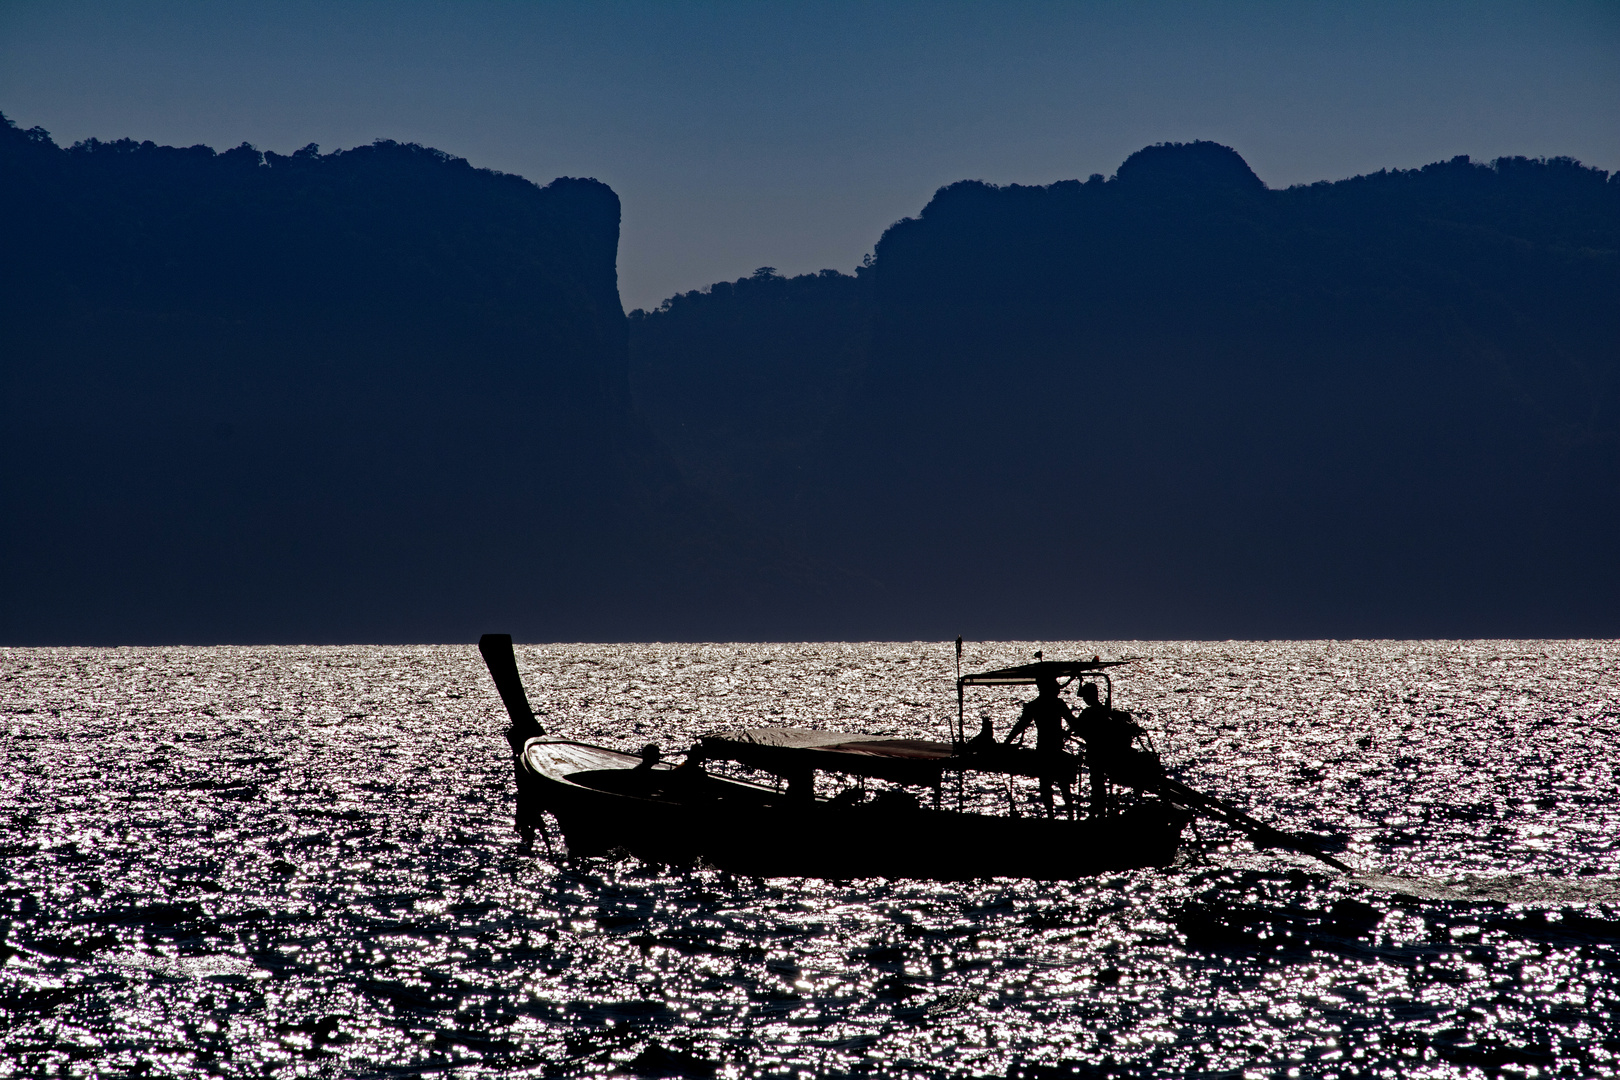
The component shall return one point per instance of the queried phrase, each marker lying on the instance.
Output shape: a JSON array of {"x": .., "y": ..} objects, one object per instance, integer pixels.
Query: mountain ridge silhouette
[
  {"x": 1384, "y": 406},
  {"x": 373, "y": 395},
  {"x": 379, "y": 394}
]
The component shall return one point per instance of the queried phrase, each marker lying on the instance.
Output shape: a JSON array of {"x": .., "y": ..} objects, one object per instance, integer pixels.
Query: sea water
[{"x": 301, "y": 862}]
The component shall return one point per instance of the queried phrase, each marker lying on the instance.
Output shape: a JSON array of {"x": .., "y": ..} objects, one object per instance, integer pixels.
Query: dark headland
[{"x": 381, "y": 395}]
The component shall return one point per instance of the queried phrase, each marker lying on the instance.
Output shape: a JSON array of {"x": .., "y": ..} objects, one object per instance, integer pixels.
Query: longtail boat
[{"x": 806, "y": 811}]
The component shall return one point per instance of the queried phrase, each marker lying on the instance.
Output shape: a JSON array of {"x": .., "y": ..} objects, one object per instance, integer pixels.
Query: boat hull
[{"x": 604, "y": 803}]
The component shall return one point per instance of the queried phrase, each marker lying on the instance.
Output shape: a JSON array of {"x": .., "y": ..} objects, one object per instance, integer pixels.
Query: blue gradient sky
[{"x": 746, "y": 134}]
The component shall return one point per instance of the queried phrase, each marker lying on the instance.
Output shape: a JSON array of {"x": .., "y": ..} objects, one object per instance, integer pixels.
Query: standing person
[
  {"x": 1108, "y": 734},
  {"x": 1051, "y": 717}
]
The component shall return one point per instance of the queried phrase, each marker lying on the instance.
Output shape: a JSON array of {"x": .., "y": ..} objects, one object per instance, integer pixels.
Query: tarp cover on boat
[
  {"x": 787, "y": 751},
  {"x": 803, "y": 738}
]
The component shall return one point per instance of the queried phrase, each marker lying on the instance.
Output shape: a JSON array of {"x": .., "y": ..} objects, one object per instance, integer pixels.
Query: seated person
[{"x": 689, "y": 779}]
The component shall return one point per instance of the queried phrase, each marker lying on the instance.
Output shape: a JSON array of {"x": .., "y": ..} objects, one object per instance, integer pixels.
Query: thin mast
[{"x": 961, "y": 732}]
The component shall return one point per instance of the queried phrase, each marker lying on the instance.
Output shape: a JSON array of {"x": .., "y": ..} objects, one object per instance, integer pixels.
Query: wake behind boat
[{"x": 940, "y": 811}]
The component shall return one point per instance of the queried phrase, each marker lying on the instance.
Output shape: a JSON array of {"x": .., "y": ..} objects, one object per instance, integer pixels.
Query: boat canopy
[
  {"x": 811, "y": 739},
  {"x": 1028, "y": 674},
  {"x": 786, "y": 751}
]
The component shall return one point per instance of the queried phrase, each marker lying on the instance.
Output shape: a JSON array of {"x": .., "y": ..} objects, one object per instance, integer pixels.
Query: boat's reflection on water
[{"x": 285, "y": 861}]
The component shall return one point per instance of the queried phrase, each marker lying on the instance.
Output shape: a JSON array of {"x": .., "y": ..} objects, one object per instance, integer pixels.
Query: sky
[{"x": 741, "y": 135}]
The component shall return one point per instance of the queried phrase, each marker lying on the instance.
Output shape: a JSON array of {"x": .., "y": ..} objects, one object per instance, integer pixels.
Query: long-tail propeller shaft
[{"x": 1262, "y": 833}]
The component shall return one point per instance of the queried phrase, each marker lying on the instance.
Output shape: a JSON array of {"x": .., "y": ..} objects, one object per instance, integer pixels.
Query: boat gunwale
[{"x": 779, "y": 798}]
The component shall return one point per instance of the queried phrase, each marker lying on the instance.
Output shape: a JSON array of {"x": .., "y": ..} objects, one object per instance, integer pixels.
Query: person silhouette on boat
[
  {"x": 1052, "y": 718},
  {"x": 690, "y": 779},
  {"x": 1108, "y": 734}
]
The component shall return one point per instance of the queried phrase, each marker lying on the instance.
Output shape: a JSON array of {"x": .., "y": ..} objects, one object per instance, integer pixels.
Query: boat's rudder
[{"x": 497, "y": 652}]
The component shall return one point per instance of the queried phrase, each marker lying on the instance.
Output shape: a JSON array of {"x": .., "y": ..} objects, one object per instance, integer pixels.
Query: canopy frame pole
[{"x": 961, "y": 730}]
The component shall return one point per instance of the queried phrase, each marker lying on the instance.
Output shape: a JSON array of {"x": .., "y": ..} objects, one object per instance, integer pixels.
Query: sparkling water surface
[{"x": 301, "y": 862}]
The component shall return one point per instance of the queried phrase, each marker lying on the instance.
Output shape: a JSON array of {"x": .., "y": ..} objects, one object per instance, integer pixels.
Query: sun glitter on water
[{"x": 288, "y": 861}]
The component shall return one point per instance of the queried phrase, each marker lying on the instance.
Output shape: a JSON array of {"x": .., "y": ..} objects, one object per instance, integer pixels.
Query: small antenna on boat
[{"x": 961, "y": 732}]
